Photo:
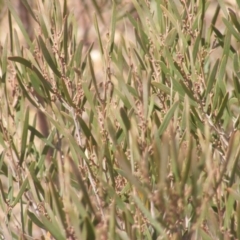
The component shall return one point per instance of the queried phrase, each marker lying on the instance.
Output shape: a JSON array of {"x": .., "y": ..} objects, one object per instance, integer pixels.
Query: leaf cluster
[{"x": 148, "y": 149}]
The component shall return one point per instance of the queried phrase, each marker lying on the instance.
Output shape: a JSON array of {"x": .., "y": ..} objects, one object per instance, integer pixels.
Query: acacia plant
[{"x": 147, "y": 147}]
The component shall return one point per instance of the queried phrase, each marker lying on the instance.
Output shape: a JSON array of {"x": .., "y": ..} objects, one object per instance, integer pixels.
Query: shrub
[{"x": 148, "y": 149}]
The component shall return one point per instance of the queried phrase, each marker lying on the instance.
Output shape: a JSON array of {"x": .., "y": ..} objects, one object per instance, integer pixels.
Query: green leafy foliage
[{"x": 148, "y": 149}]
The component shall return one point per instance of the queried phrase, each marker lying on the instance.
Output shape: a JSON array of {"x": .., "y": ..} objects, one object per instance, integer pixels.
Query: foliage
[{"x": 149, "y": 149}]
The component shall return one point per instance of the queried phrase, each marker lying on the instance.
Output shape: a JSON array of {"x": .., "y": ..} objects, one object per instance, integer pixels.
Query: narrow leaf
[
  {"x": 24, "y": 137},
  {"x": 125, "y": 119},
  {"x": 222, "y": 107},
  {"x": 48, "y": 57},
  {"x": 167, "y": 118}
]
